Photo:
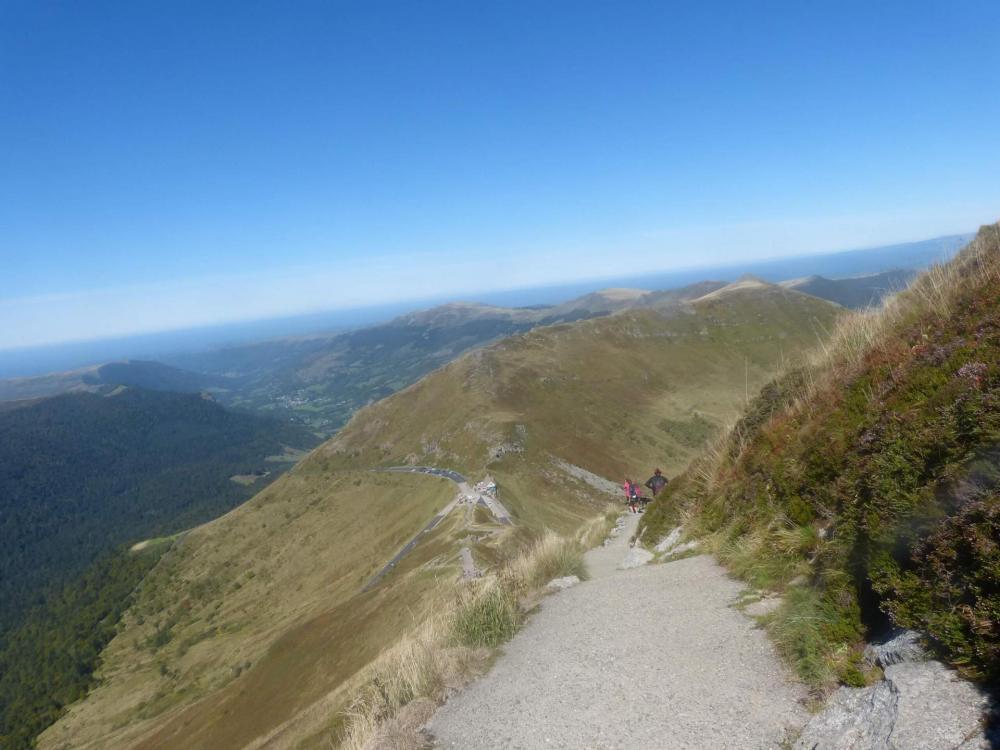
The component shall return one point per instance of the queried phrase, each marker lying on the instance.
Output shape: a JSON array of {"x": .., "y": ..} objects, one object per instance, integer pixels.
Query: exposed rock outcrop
[
  {"x": 921, "y": 705},
  {"x": 669, "y": 541},
  {"x": 854, "y": 719},
  {"x": 686, "y": 547},
  {"x": 906, "y": 645}
]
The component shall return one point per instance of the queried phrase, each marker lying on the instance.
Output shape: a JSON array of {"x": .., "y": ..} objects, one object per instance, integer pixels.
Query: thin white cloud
[{"x": 125, "y": 310}]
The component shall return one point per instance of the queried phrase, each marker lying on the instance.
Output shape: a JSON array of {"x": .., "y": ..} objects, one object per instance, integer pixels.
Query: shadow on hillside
[{"x": 993, "y": 720}]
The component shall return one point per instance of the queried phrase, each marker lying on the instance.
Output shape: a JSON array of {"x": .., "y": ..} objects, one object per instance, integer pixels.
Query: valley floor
[{"x": 654, "y": 657}]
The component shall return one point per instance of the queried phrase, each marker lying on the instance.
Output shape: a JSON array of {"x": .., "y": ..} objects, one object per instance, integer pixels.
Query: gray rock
[
  {"x": 938, "y": 710},
  {"x": 686, "y": 547},
  {"x": 597, "y": 482},
  {"x": 763, "y": 606},
  {"x": 636, "y": 558},
  {"x": 669, "y": 541},
  {"x": 905, "y": 646},
  {"x": 854, "y": 719},
  {"x": 919, "y": 706},
  {"x": 559, "y": 584}
]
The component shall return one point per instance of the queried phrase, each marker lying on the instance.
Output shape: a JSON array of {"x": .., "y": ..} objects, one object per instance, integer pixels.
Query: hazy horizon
[
  {"x": 184, "y": 165},
  {"x": 68, "y": 355}
]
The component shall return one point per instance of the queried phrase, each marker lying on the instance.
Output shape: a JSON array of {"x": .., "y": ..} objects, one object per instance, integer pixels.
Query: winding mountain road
[
  {"x": 654, "y": 657},
  {"x": 466, "y": 492}
]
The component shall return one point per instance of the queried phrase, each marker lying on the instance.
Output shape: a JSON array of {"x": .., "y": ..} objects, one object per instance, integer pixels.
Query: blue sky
[{"x": 172, "y": 164}]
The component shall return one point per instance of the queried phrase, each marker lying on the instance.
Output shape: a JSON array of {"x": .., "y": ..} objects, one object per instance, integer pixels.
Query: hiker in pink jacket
[{"x": 631, "y": 495}]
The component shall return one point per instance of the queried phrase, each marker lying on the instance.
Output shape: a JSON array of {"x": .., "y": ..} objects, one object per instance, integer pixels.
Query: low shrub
[
  {"x": 952, "y": 592},
  {"x": 486, "y": 614}
]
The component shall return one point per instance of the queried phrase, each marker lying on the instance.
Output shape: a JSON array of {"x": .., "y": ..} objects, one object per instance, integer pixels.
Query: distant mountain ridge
[
  {"x": 855, "y": 292},
  {"x": 837, "y": 264},
  {"x": 320, "y": 380},
  {"x": 154, "y": 376}
]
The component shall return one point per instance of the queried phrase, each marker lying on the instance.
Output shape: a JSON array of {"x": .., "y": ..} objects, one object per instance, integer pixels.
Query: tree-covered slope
[
  {"x": 48, "y": 660},
  {"x": 867, "y": 485},
  {"x": 83, "y": 473}
]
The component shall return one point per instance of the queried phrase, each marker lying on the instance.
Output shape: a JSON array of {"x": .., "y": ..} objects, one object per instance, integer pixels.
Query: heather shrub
[
  {"x": 952, "y": 592},
  {"x": 869, "y": 480}
]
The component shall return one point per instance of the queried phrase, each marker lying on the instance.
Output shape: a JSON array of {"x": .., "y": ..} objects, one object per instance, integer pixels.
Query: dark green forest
[
  {"x": 82, "y": 473},
  {"x": 48, "y": 661}
]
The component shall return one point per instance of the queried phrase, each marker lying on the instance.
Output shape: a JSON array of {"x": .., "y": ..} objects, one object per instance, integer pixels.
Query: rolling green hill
[
  {"x": 252, "y": 627},
  {"x": 866, "y": 486},
  {"x": 320, "y": 381}
]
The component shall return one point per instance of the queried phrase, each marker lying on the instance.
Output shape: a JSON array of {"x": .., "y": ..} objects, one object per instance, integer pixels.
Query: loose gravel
[{"x": 653, "y": 657}]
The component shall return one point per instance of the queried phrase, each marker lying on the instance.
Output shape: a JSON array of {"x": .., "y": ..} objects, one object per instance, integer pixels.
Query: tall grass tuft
[
  {"x": 487, "y": 613},
  {"x": 551, "y": 557},
  {"x": 452, "y": 645}
]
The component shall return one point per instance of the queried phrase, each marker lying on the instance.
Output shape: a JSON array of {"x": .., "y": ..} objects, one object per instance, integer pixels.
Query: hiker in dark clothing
[
  {"x": 656, "y": 482},
  {"x": 637, "y": 498}
]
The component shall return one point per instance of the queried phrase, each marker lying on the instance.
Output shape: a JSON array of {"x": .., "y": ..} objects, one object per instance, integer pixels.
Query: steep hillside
[
  {"x": 253, "y": 626},
  {"x": 856, "y": 292},
  {"x": 82, "y": 473},
  {"x": 866, "y": 485}
]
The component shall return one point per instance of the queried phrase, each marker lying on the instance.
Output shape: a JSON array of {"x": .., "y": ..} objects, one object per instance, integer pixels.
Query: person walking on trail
[
  {"x": 631, "y": 495},
  {"x": 656, "y": 482},
  {"x": 638, "y": 499}
]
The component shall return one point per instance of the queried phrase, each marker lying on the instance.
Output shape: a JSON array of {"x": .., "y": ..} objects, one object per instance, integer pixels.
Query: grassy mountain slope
[
  {"x": 866, "y": 486},
  {"x": 253, "y": 625},
  {"x": 321, "y": 381},
  {"x": 856, "y": 291}
]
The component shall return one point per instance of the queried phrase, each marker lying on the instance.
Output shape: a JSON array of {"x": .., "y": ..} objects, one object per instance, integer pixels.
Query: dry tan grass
[
  {"x": 932, "y": 294},
  {"x": 410, "y": 679},
  {"x": 422, "y": 667}
]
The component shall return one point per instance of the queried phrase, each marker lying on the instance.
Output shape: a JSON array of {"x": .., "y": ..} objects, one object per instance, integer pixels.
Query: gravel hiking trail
[{"x": 653, "y": 657}]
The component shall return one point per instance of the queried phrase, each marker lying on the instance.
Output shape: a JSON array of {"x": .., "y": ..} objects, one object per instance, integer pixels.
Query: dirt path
[
  {"x": 469, "y": 569},
  {"x": 653, "y": 657}
]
